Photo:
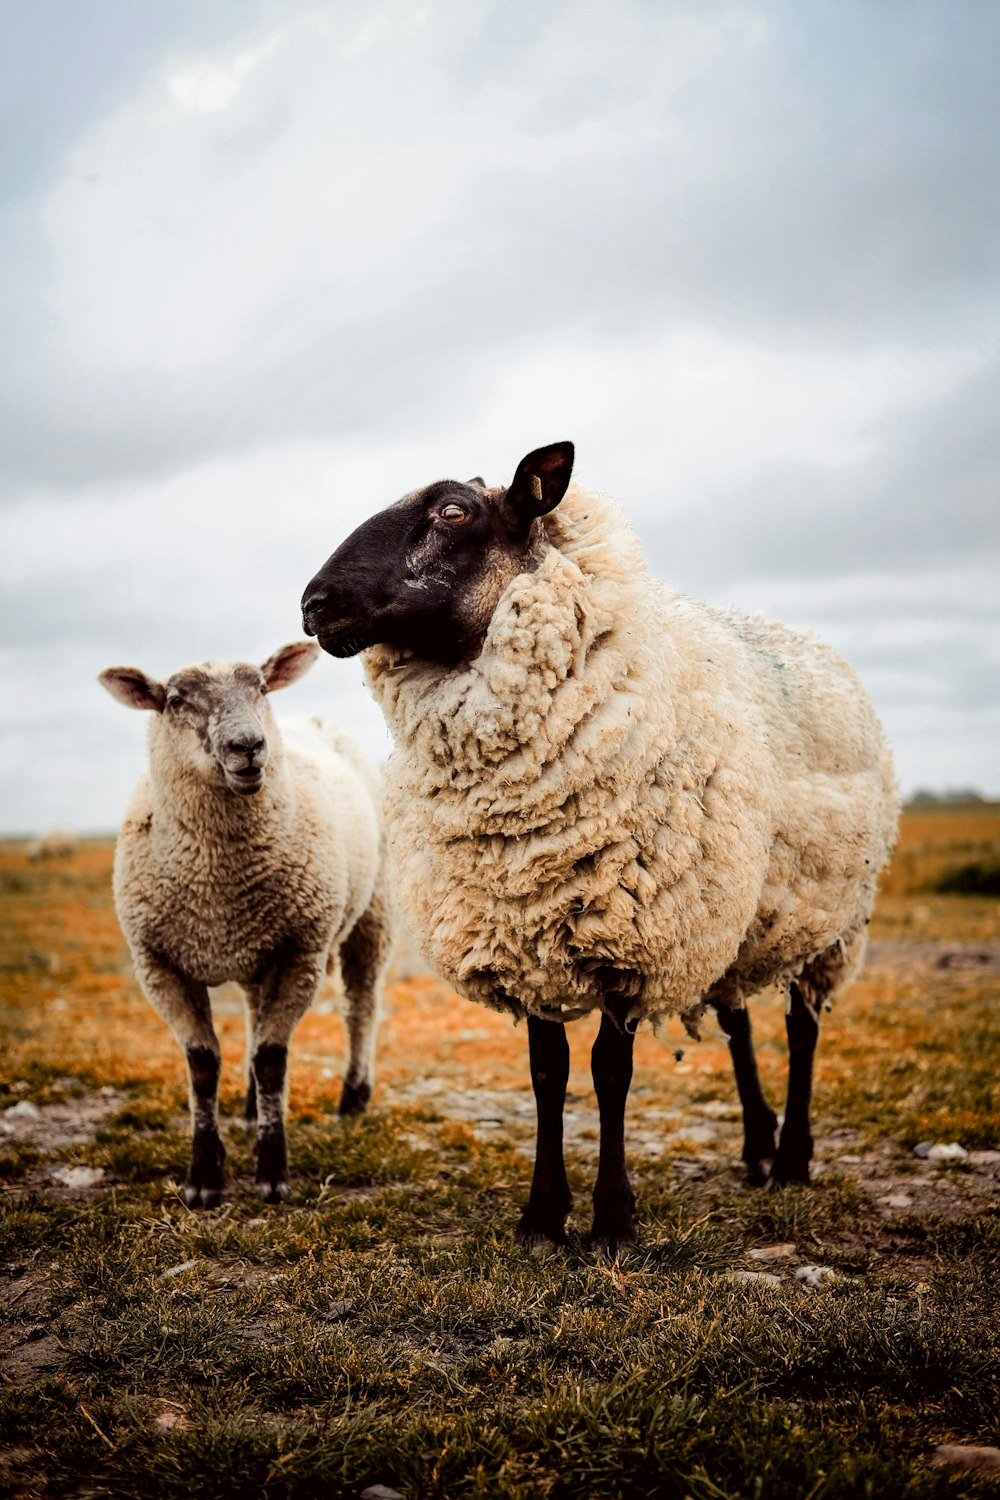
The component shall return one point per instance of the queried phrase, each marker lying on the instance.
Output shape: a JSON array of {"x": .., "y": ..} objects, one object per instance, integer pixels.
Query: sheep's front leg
[
  {"x": 795, "y": 1145},
  {"x": 364, "y": 957},
  {"x": 283, "y": 997},
  {"x": 614, "y": 1204},
  {"x": 543, "y": 1221},
  {"x": 184, "y": 1005},
  {"x": 760, "y": 1123}
]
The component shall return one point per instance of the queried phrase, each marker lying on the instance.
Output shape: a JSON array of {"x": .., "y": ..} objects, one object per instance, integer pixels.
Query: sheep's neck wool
[{"x": 600, "y": 803}]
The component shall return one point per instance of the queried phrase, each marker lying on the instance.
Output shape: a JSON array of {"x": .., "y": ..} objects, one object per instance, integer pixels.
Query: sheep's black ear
[
  {"x": 133, "y": 688},
  {"x": 478, "y": 483},
  {"x": 541, "y": 480},
  {"x": 288, "y": 664}
]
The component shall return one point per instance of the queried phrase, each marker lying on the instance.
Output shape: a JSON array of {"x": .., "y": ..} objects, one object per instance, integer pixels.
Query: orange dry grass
[
  {"x": 931, "y": 841},
  {"x": 70, "y": 1005}
]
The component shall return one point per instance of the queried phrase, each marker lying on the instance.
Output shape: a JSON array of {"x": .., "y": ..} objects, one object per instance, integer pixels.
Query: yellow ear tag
[{"x": 536, "y": 486}]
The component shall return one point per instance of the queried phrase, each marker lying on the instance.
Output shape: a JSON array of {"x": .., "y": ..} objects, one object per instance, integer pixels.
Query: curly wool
[
  {"x": 219, "y": 883},
  {"x": 629, "y": 794}
]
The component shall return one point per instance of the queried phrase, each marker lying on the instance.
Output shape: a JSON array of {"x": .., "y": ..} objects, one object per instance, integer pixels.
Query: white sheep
[
  {"x": 57, "y": 843},
  {"x": 606, "y": 796},
  {"x": 251, "y": 856}
]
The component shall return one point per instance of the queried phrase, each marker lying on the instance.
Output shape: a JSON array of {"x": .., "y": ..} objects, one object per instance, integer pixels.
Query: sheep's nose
[
  {"x": 311, "y": 610},
  {"x": 248, "y": 745}
]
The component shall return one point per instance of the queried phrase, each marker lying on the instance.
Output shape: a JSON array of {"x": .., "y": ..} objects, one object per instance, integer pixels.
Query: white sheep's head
[
  {"x": 214, "y": 717},
  {"x": 425, "y": 574}
]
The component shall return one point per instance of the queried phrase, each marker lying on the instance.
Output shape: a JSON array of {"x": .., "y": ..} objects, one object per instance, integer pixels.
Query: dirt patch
[
  {"x": 896, "y": 956},
  {"x": 54, "y": 1127}
]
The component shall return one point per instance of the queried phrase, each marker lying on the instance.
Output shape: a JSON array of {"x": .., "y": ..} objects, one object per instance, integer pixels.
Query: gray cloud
[{"x": 269, "y": 266}]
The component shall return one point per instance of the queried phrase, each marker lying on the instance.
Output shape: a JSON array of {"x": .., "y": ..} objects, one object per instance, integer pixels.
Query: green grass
[{"x": 384, "y": 1328}]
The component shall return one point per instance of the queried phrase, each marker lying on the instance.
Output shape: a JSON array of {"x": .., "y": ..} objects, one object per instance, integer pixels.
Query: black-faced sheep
[
  {"x": 252, "y": 856},
  {"x": 605, "y": 795}
]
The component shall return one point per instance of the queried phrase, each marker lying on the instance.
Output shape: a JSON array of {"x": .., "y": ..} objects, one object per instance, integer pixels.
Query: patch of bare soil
[
  {"x": 53, "y": 1127},
  {"x": 29, "y": 1345},
  {"x": 898, "y": 955}
]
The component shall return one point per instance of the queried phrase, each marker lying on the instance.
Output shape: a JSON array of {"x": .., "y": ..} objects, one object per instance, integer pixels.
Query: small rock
[
  {"x": 380, "y": 1492},
  {"x": 108, "y": 1091},
  {"x": 170, "y": 1420},
  {"x": 772, "y": 1252},
  {"x": 178, "y": 1270},
  {"x": 850, "y": 1161},
  {"x": 762, "y": 1278},
  {"x": 815, "y": 1276},
  {"x": 77, "y": 1177},
  {"x": 967, "y": 1456},
  {"x": 945, "y": 1153},
  {"x": 929, "y": 1151},
  {"x": 984, "y": 1158},
  {"x": 897, "y": 1200},
  {"x": 338, "y": 1309},
  {"x": 24, "y": 1110}
]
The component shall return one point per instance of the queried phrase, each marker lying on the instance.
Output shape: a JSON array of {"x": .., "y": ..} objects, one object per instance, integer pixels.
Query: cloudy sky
[{"x": 269, "y": 265}]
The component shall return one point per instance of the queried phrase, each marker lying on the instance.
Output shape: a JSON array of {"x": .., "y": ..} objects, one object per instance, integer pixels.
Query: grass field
[{"x": 383, "y": 1328}]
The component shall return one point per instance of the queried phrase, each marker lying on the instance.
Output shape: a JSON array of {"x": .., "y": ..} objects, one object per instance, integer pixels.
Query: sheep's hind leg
[
  {"x": 543, "y": 1221},
  {"x": 795, "y": 1147},
  {"x": 364, "y": 958},
  {"x": 614, "y": 1203},
  {"x": 760, "y": 1123}
]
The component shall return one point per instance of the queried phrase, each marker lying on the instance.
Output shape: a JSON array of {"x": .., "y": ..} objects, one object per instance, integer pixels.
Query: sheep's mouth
[
  {"x": 246, "y": 779},
  {"x": 345, "y": 641}
]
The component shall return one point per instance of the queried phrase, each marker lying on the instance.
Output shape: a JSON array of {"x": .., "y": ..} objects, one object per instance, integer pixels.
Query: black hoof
[
  {"x": 540, "y": 1231},
  {"x": 196, "y": 1196},
  {"x": 271, "y": 1165},
  {"x": 790, "y": 1172},
  {"x": 607, "y": 1240},
  {"x": 758, "y": 1172},
  {"x": 272, "y": 1192},
  {"x": 206, "y": 1175},
  {"x": 354, "y": 1098}
]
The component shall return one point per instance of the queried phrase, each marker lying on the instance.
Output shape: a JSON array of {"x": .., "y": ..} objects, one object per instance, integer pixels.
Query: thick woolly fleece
[
  {"x": 630, "y": 796},
  {"x": 218, "y": 883}
]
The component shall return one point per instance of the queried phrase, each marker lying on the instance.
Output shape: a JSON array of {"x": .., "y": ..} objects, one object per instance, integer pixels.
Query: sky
[{"x": 268, "y": 266}]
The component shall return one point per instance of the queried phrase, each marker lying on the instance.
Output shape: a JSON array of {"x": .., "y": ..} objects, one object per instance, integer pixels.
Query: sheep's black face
[{"x": 426, "y": 573}]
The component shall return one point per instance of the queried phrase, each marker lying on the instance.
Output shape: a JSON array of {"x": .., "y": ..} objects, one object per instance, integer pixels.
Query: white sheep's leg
[
  {"x": 364, "y": 958},
  {"x": 184, "y": 1005},
  {"x": 760, "y": 1123},
  {"x": 795, "y": 1145},
  {"x": 614, "y": 1203},
  {"x": 285, "y": 994},
  {"x": 543, "y": 1221}
]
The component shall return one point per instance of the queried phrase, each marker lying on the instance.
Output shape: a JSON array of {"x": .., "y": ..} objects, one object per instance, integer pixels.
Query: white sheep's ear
[
  {"x": 541, "y": 480},
  {"x": 288, "y": 664},
  {"x": 133, "y": 688}
]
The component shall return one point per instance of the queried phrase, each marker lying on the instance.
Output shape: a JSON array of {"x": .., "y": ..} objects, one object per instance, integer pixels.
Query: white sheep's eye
[
  {"x": 175, "y": 702},
  {"x": 453, "y": 513}
]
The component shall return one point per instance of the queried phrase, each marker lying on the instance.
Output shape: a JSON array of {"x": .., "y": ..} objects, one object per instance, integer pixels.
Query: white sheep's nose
[{"x": 249, "y": 745}]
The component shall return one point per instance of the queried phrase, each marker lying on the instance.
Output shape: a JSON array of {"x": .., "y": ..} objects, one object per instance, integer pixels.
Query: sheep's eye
[
  {"x": 175, "y": 702},
  {"x": 456, "y": 514}
]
